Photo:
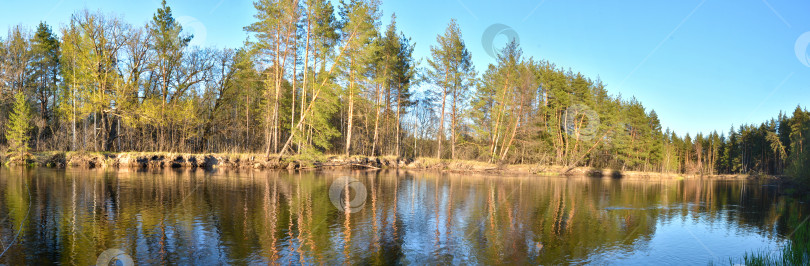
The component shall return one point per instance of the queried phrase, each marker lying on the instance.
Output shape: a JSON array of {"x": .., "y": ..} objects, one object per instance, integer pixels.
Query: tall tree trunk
[
  {"x": 73, "y": 142},
  {"x": 514, "y": 130},
  {"x": 268, "y": 119},
  {"x": 376, "y": 122},
  {"x": 351, "y": 109},
  {"x": 247, "y": 122},
  {"x": 292, "y": 103},
  {"x": 95, "y": 135},
  {"x": 440, "y": 134},
  {"x": 276, "y": 99},
  {"x": 453, "y": 126},
  {"x": 399, "y": 107},
  {"x": 314, "y": 98},
  {"x": 306, "y": 74}
]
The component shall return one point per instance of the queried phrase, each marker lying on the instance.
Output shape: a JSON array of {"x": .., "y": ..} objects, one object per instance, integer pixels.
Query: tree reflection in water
[{"x": 196, "y": 217}]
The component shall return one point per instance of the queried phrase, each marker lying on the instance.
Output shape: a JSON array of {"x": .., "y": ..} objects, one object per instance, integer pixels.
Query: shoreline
[{"x": 246, "y": 161}]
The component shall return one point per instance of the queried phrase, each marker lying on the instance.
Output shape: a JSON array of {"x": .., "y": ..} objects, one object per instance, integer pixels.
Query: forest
[{"x": 318, "y": 78}]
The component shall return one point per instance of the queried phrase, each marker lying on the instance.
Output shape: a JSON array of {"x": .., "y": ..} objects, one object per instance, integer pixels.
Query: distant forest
[{"x": 314, "y": 78}]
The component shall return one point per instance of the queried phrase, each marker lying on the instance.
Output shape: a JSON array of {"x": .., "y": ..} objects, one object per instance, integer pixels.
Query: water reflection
[{"x": 195, "y": 217}]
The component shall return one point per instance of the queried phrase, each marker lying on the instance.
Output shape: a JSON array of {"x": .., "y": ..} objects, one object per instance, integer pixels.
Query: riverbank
[{"x": 160, "y": 160}]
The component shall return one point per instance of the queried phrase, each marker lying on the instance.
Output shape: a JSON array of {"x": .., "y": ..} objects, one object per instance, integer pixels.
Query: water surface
[{"x": 197, "y": 217}]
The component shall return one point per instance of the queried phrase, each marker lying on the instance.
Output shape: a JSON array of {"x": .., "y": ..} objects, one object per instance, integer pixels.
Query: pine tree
[
  {"x": 19, "y": 125},
  {"x": 360, "y": 21},
  {"x": 655, "y": 144},
  {"x": 46, "y": 74},
  {"x": 451, "y": 70},
  {"x": 404, "y": 72},
  {"x": 169, "y": 50},
  {"x": 799, "y": 152}
]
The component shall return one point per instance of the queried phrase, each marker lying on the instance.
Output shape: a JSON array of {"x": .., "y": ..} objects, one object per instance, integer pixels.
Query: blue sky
[{"x": 702, "y": 65}]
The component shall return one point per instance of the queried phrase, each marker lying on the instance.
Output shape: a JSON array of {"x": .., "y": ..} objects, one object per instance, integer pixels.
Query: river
[{"x": 257, "y": 217}]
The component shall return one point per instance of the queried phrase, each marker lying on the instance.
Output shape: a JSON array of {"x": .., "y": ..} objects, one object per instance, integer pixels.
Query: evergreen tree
[
  {"x": 309, "y": 73},
  {"x": 395, "y": 72},
  {"x": 360, "y": 19},
  {"x": 452, "y": 72},
  {"x": 46, "y": 74},
  {"x": 799, "y": 151},
  {"x": 655, "y": 143},
  {"x": 19, "y": 125},
  {"x": 169, "y": 47}
]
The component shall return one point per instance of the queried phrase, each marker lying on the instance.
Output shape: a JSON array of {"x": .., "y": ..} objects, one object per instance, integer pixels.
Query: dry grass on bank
[{"x": 305, "y": 161}]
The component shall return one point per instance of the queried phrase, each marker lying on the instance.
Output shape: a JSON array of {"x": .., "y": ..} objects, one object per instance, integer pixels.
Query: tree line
[{"x": 316, "y": 78}]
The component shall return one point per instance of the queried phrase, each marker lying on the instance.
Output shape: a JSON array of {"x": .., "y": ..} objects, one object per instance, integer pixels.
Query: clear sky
[{"x": 703, "y": 65}]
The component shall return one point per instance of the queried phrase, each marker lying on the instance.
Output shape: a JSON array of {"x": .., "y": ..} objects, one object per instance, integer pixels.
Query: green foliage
[
  {"x": 501, "y": 100},
  {"x": 331, "y": 79},
  {"x": 799, "y": 158},
  {"x": 167, "y": 32},
  {"x": 452, "y": 73},
  {"x": 45, "y": 66},
  {"x": 19, "y": 125},
  {"x": 526, "y": 109}
]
